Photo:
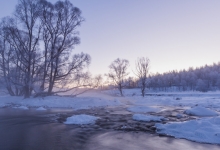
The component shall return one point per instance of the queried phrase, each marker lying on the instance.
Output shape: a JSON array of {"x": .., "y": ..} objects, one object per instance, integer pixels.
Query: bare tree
[
  {"x": 36, "y": 46},
  {"x": 24, "y": 38},
  {"x": 60, "y": 36},
  {"x": 118, "y": 72},
  {"x": 72, "y": 76},
  {"x": 6, "y": 56},
  {"x": 142, "y": 68},
  {"x": 20, "y": 46}
]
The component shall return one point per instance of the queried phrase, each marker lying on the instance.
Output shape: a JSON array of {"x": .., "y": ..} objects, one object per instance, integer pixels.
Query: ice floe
[
  {"x": 200, "y": 111},
  {"x": 142, "y": 109},
  {"x": 141, "y": 117},
  {"x": 204, "y": 130},
  {"x": 81, "y": 119}
]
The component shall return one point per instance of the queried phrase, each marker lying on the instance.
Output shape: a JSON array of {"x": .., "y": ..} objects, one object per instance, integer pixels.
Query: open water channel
[{"x": 115, "y": 130}]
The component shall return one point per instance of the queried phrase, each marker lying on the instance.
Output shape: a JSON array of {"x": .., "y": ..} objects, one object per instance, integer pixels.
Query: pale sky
[{"x": 173, "y": 34}]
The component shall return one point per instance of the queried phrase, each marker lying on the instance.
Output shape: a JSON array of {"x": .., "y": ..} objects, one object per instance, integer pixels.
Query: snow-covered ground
[
  {"x": 59, "y": 102},
  {"x": 204, "y": 106}
]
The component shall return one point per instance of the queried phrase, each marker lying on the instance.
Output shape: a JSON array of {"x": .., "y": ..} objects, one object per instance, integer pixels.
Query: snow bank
[
  {"x": 141, "y": 117},
  {"x": 142, "y": 109},
  {"x": 126, "y": 92},
  {"x": 81, "y": 119},
  {"x": 201, "y": 111},
  {"x": 205, "y": 130},
  {"x": 60, "y": 102}
]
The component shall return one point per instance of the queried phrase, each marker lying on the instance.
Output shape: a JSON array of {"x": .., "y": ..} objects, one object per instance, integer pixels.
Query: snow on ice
[
  {"x": 22, "y": 107},
  {"x": 143, "y": 109},
  {"x": 141, "y": 117},
  {"x": 200, "y": 111},
  {"x": 204, "y": 130},
  {"x": 41, "y": 108},
  {"x": 81, "y": 119}
]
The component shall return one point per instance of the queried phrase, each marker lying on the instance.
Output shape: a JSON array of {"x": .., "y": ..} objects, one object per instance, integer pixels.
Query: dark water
[{"x": 115, "y": 130}]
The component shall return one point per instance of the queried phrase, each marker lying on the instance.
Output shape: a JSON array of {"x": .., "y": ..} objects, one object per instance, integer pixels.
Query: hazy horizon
[{"x": 174, "y": 35}]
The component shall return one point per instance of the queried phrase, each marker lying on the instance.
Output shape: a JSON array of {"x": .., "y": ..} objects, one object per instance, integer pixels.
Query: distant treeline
[{"x": 205, "y": 78}]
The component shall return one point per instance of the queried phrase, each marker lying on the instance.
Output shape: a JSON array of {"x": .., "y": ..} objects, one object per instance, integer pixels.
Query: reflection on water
[
  {"x": 142, "y": 141},
  {"x": 29, "y": 130},
  {"x": 44, "y": 130}
]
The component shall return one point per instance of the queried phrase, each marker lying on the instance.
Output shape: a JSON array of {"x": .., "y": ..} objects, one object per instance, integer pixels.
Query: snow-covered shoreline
[{"x": 75, "y": 103}]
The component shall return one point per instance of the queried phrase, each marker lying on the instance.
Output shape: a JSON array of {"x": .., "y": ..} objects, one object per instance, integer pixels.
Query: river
[{"x": 115, "y": 130}]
